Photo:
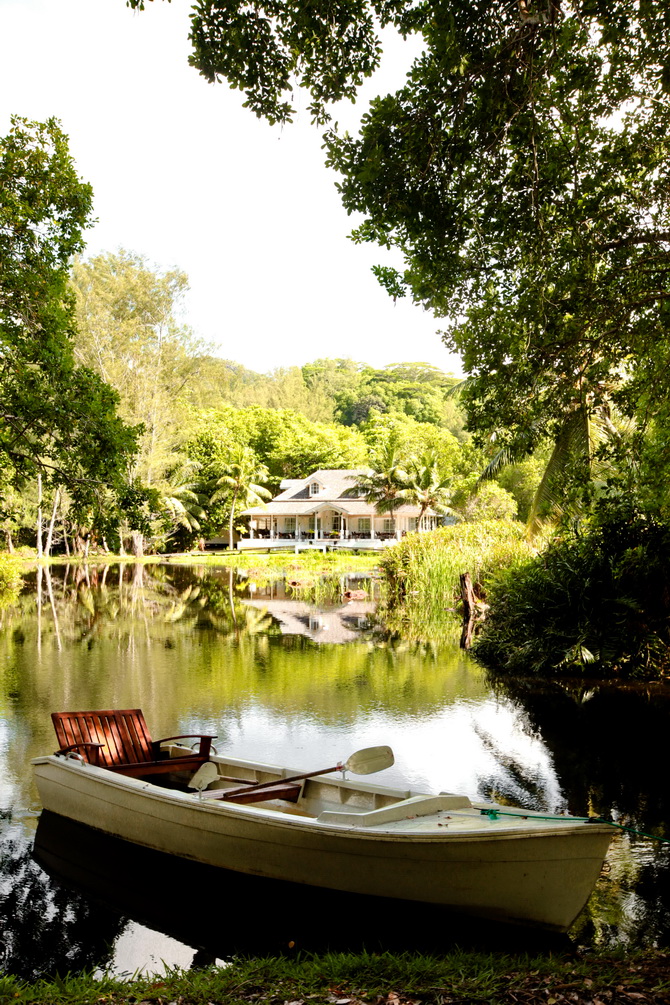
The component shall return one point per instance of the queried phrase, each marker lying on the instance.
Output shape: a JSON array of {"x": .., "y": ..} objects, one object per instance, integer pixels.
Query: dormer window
[{"x": 314, "y": 488}]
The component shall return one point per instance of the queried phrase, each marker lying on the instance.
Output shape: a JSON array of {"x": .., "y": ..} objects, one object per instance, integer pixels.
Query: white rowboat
[{"x": 485, "y": 860}]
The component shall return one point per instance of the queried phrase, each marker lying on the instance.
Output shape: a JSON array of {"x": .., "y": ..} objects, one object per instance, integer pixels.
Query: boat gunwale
[{"x": 390, "y": 831}]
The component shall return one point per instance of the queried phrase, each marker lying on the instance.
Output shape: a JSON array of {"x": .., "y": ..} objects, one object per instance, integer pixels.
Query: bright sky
[{"x": 184, "y": 175}]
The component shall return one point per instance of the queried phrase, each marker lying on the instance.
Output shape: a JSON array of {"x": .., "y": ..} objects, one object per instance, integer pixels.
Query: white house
[{"x": 321, "y": 509}]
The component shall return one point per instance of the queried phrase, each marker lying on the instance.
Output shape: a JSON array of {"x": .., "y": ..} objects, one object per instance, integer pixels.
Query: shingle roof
[{"x": 337, "y": 483}]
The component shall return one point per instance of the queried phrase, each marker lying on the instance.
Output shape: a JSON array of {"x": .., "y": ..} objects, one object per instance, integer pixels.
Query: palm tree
[
  {"x": 181, "y": 497},
  {"x": 240, "y": 482},
  {"x": 427, "y": 487},
  {"x": 385, "y": 486}
]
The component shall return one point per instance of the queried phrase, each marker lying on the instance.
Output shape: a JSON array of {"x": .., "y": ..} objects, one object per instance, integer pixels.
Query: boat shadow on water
[{"x": 223, "y": 914}]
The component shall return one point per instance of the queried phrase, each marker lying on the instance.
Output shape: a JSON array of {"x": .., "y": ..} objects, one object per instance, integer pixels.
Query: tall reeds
[{"x": 422, "y": 571}]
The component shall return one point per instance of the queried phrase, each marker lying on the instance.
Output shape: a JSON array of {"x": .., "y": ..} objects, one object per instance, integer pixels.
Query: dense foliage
[
  {"x": 57, "y": 419},
  {"x": 522, "y": 172},
  {"x": 595, "y": 602},
  {"x": 10, "y": 579},
  {"x": 422, "y": 572}
]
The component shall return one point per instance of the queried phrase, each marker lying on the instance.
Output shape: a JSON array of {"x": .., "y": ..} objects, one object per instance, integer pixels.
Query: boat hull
[{"x": 540, "y": 878}]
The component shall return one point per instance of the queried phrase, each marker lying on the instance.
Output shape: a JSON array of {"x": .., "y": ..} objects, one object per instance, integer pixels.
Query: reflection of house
[
  {"x": 324, "y": 508},
  {"x": 295, "y": 617}
]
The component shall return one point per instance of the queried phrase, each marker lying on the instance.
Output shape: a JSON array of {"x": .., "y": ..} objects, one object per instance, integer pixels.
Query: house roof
[
  {"x": 295, "y": 617},
  {"x": 336, "y": 484}
]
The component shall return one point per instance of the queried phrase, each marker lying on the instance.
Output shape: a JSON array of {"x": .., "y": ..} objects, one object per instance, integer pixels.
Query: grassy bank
[
  {"x": 422, "y": 572},
  {"x": 462, "y": 978},
  {"x": 330, "y": 563}
]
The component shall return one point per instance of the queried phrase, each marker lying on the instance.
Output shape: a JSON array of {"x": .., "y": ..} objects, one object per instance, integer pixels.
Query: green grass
[
  {"x": 422, "y": 573},
  {"x": 396, "y": 979},
  {"x": 278, "y": 564}
]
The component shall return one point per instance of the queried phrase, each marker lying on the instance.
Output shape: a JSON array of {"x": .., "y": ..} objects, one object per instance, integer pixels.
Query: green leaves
[
  {"x": 54, "y": 416},
  {"x": 265, "y": 47}
]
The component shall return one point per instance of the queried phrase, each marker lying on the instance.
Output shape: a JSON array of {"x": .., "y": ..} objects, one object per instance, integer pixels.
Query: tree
[
  {"x": 414, "y": 438},
  {"x": 522, "y": 171},
  {"x": 427, "y": 487},
  {"x": 386, "y": 485},
  {"x": 129, "y": 332},
  {"x": 56, "y": 418},
  {"x": 239, "y": 484},
  {"x": 182, "y": 499},
  {"x": 286, "y": 442}
]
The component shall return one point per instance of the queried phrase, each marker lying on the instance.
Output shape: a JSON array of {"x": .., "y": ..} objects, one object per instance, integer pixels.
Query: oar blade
[{"x": 370, "y": 759}]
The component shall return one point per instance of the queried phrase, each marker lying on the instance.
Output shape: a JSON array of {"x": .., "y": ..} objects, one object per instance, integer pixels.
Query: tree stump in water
[{"x": 474, "y": 610}]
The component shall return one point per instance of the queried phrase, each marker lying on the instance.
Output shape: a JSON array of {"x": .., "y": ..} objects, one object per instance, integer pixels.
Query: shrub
[
  {"x": 597, "y": 603},
  {"x": 422, "y": 571},
  {"x": 10, "y": 579}
]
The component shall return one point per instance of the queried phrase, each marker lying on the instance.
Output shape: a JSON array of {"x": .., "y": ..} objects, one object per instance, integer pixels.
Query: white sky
[{"x": 184, "y": 175}]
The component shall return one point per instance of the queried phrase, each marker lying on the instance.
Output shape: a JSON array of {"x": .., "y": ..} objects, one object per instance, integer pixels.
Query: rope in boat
[{"x": 494, "y": 814}]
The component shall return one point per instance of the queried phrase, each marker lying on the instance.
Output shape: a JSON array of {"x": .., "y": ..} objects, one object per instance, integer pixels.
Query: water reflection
[
  {"x": 201, "y": 650},
  {"x": 47, "y": 928}
]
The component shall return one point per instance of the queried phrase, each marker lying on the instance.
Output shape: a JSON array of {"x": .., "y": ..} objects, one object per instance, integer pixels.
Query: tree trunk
[
  {"x": 52, "y": 522},
  {"x": 39, "y": 515},
  {"x": 10, "y": 543},
  {"x": 474, "y": 610},
  {"x": 137, "y": 543},
  {"x": 230, "y": 523},
  {"x": 62, "y": 521},
  {"x": 469, "y": 610}
]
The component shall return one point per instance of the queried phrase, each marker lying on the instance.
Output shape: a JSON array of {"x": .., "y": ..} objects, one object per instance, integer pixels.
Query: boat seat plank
[
  {"x": 119, "y": 740},
  {"x": 282, "y": 790},
  {"x": 415, "y": 806}
]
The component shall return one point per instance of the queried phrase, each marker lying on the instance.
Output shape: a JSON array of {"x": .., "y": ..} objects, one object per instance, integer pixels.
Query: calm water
[{"x": 302, "y": 677}]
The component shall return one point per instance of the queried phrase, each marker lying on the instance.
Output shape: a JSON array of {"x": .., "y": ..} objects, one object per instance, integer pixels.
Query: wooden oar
[{"x": 362, "y": 762}]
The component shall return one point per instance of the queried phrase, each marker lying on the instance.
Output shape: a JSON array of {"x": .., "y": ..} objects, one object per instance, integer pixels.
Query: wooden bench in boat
[
  {"x": 282, "y": 790},
  {"x": 120, "y": 741}
]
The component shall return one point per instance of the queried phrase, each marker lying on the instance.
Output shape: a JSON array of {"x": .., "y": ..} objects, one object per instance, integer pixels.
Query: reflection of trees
[
  {"x": 515, "y": 782},
  {"x": 631, "y": 903},
  {"x": 607, "y": 743},
  {"x": 47, "y": 929},
  {"x": 166, "y": 641}
]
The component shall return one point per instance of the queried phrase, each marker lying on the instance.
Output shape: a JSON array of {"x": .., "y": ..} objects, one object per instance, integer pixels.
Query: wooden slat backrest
[{"x": 124, "y": 734}]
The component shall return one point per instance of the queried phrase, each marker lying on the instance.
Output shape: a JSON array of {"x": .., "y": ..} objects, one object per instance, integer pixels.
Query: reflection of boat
[
  {"x": 361, "y": 838},
  {"x": 268, "y": 917}
]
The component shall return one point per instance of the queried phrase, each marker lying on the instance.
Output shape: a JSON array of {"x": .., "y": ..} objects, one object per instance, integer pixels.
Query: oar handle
[{"x": 276, "y": 781}]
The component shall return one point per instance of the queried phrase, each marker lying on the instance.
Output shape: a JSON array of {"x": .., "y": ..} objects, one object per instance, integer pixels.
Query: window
[
  {"x": 388, "y": 527},
  {"x": 314, "y": 488},
  {"x": 411, "y": 523},
  {"x": 289, "y": 524},
  {"x": 364, "y": 525},
  {"x": 337, "y": 521}
]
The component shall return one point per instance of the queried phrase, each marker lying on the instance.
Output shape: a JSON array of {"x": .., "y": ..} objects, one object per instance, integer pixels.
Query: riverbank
[
  {"x": 330, "y": 562},
  {"x": 461, "y": 978}
]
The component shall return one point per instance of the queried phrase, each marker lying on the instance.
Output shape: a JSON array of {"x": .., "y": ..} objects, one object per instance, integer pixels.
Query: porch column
[{"x": 251, "y": 528}]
